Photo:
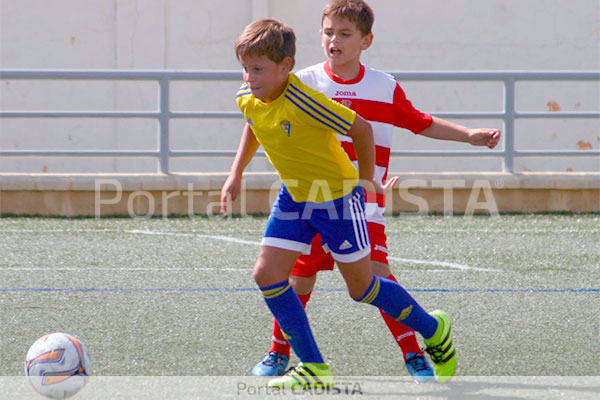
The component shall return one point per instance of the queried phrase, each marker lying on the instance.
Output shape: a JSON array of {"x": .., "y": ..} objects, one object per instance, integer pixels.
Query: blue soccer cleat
[
  {"x": 273, "y": 364},
  {"x": 419, "y": 368}
]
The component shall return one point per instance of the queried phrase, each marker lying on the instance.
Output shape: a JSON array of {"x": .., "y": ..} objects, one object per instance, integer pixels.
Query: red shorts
[{"x": 318, "y": 260}]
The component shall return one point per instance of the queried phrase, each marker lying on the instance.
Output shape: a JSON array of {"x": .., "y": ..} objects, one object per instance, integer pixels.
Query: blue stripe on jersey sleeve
[
  {"x": 328, "y": 111},
  {"x": 240, "y": 93},
  {"x": 336, "y": 129},
  {"x": 243, "y": 90},
  {"x": 316, "y": 114}
]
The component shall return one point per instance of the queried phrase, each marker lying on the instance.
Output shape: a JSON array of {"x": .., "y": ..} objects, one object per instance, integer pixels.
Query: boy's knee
[
  {"x": 365, "y": 291},
  {"x": 358, "y": 286},
  {"x": 356, "y": 297},
  {"x": 259, "y": 275},
  {"x": 303, "y": 285},
  {"x": 265, "y": 275},
  {"x": 357, "y": 293}
]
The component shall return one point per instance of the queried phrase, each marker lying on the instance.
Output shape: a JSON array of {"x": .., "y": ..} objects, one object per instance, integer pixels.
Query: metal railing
[{"x": 164, "y": 114}]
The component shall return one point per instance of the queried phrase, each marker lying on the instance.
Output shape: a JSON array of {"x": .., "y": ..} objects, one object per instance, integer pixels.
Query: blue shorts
[{"x": 341, "y": 223}]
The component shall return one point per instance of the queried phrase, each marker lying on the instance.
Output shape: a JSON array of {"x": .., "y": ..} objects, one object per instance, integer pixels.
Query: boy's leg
[
  {"x": 286, "y": 236},
  {"x": 365, "y": 287},
  {"x": 347, "y": 238},
  {"x": 395, "y": 301},
  {"x": 348, "y": 242},
  {"x": 417, "y": 365},
  {"x": 404, "y": 336},
  {"x": 289, "y": 312},
  {"x": 302, "y": 278},
  {"x": 271, "y": 273},
  {"x": 300, "y": 284},
  {"x": 278, "y": 343},
  {"x": 275, "y": 362},
  {"x": 414, "y": 360}
]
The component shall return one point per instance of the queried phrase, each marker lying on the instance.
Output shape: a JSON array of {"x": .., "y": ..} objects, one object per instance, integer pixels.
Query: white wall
[{"x": 199, "y": 35}]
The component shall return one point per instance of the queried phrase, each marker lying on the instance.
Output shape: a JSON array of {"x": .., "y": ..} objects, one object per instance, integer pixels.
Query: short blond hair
[
  {"x": 267, "y": 37},
  {"x": 356, "y": 11}
]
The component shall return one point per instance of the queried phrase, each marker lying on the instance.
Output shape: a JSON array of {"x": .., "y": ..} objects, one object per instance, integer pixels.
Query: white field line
[
  {"x": 161, "y": 269},
  {"x": 128, "y": 269},
  {"x": 495, "y": 231},
  {"x": 58, "y": 230},
  {"x": 426, "y": 230},
  {"x": 196, "y": 235},
  {"x": 454, "y": 266},
  {"x": 461, "y": 267},
  {"x": 133, "y": 231}
]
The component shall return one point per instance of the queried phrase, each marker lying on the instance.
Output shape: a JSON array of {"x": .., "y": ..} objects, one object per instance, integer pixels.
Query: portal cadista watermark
[{"x": 109, "y": 192}]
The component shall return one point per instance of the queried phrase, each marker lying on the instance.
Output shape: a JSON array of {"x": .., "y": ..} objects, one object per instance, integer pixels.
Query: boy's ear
[
  {"x": 287, "y": 63},
  {"x": 366, "y": 41}
]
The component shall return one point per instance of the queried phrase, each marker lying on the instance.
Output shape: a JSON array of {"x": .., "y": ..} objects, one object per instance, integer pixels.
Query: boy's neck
[
  {"x": 277, "y": 93},
  {"x": 347, "y": 71}
]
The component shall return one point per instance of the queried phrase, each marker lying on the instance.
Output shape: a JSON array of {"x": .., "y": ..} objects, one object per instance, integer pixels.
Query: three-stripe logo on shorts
[{"x": 359, "y": 222}]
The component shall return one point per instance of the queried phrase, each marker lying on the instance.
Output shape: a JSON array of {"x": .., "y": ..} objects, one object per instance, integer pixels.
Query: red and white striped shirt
[{"x": 378, "y": 98}]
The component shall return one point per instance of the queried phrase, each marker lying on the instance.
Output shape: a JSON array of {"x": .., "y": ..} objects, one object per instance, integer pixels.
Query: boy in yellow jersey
[
  {"x": 297, "y": 127},
  {"x": 346, "y": 31}
]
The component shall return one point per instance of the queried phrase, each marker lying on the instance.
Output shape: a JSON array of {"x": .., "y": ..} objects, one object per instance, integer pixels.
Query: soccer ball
[{"x": 57, "y": 365}]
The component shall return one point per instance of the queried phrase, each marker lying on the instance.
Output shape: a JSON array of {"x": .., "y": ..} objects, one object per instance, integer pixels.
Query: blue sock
[
  {"x": 287, "y": 309},
  {"x": 395, "y": 301}
]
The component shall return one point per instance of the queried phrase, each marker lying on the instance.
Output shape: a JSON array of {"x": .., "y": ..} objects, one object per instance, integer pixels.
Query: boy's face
[
  {"x": 265, "y": 77},
  {"x": 342, "y": 41}
]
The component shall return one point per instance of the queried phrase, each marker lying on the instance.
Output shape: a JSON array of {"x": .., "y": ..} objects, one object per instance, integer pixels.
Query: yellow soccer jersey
[{"x": 298, "y": 133}]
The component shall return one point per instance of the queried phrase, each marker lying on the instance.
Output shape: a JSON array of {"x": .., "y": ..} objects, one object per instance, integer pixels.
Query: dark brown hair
[
  {"x": 267, "y": 37},
  {"x": 356, "y": 11}
]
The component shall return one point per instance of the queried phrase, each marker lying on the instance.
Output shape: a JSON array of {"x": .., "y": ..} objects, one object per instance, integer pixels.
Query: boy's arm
[
  {"x": 446, "y": 130},
  {"x": 364, "y": 147},
  {"x": 246, "y": 150}
]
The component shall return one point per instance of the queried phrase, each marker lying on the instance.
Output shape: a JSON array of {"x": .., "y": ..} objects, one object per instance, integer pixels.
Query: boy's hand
[
  {"x": 389, "y": 185},
  {"x": 484, "y": 137},
  {"x": 230, "y": 191},
  {"x": 371, "y": 185},
  {"x": 378, "y": 188}
]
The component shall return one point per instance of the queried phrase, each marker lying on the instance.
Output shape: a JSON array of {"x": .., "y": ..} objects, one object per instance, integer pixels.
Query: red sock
[
  {"x": 278, "y": 342},
  {"x": 404, "y": 336}
]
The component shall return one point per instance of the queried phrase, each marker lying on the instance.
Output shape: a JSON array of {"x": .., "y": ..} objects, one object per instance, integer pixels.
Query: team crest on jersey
[
  {"x": 286, "y": 126},
  {"x": 346, "y": 102}
]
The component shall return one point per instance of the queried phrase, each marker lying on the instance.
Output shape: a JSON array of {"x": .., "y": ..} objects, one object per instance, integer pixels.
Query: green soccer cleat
[
  {"x": 441, "y": 349},
  {"x": 304, "y": 375}
]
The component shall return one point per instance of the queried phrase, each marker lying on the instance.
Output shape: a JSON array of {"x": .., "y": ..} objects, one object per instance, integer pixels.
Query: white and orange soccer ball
[{"x": 58, "y": 365}]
